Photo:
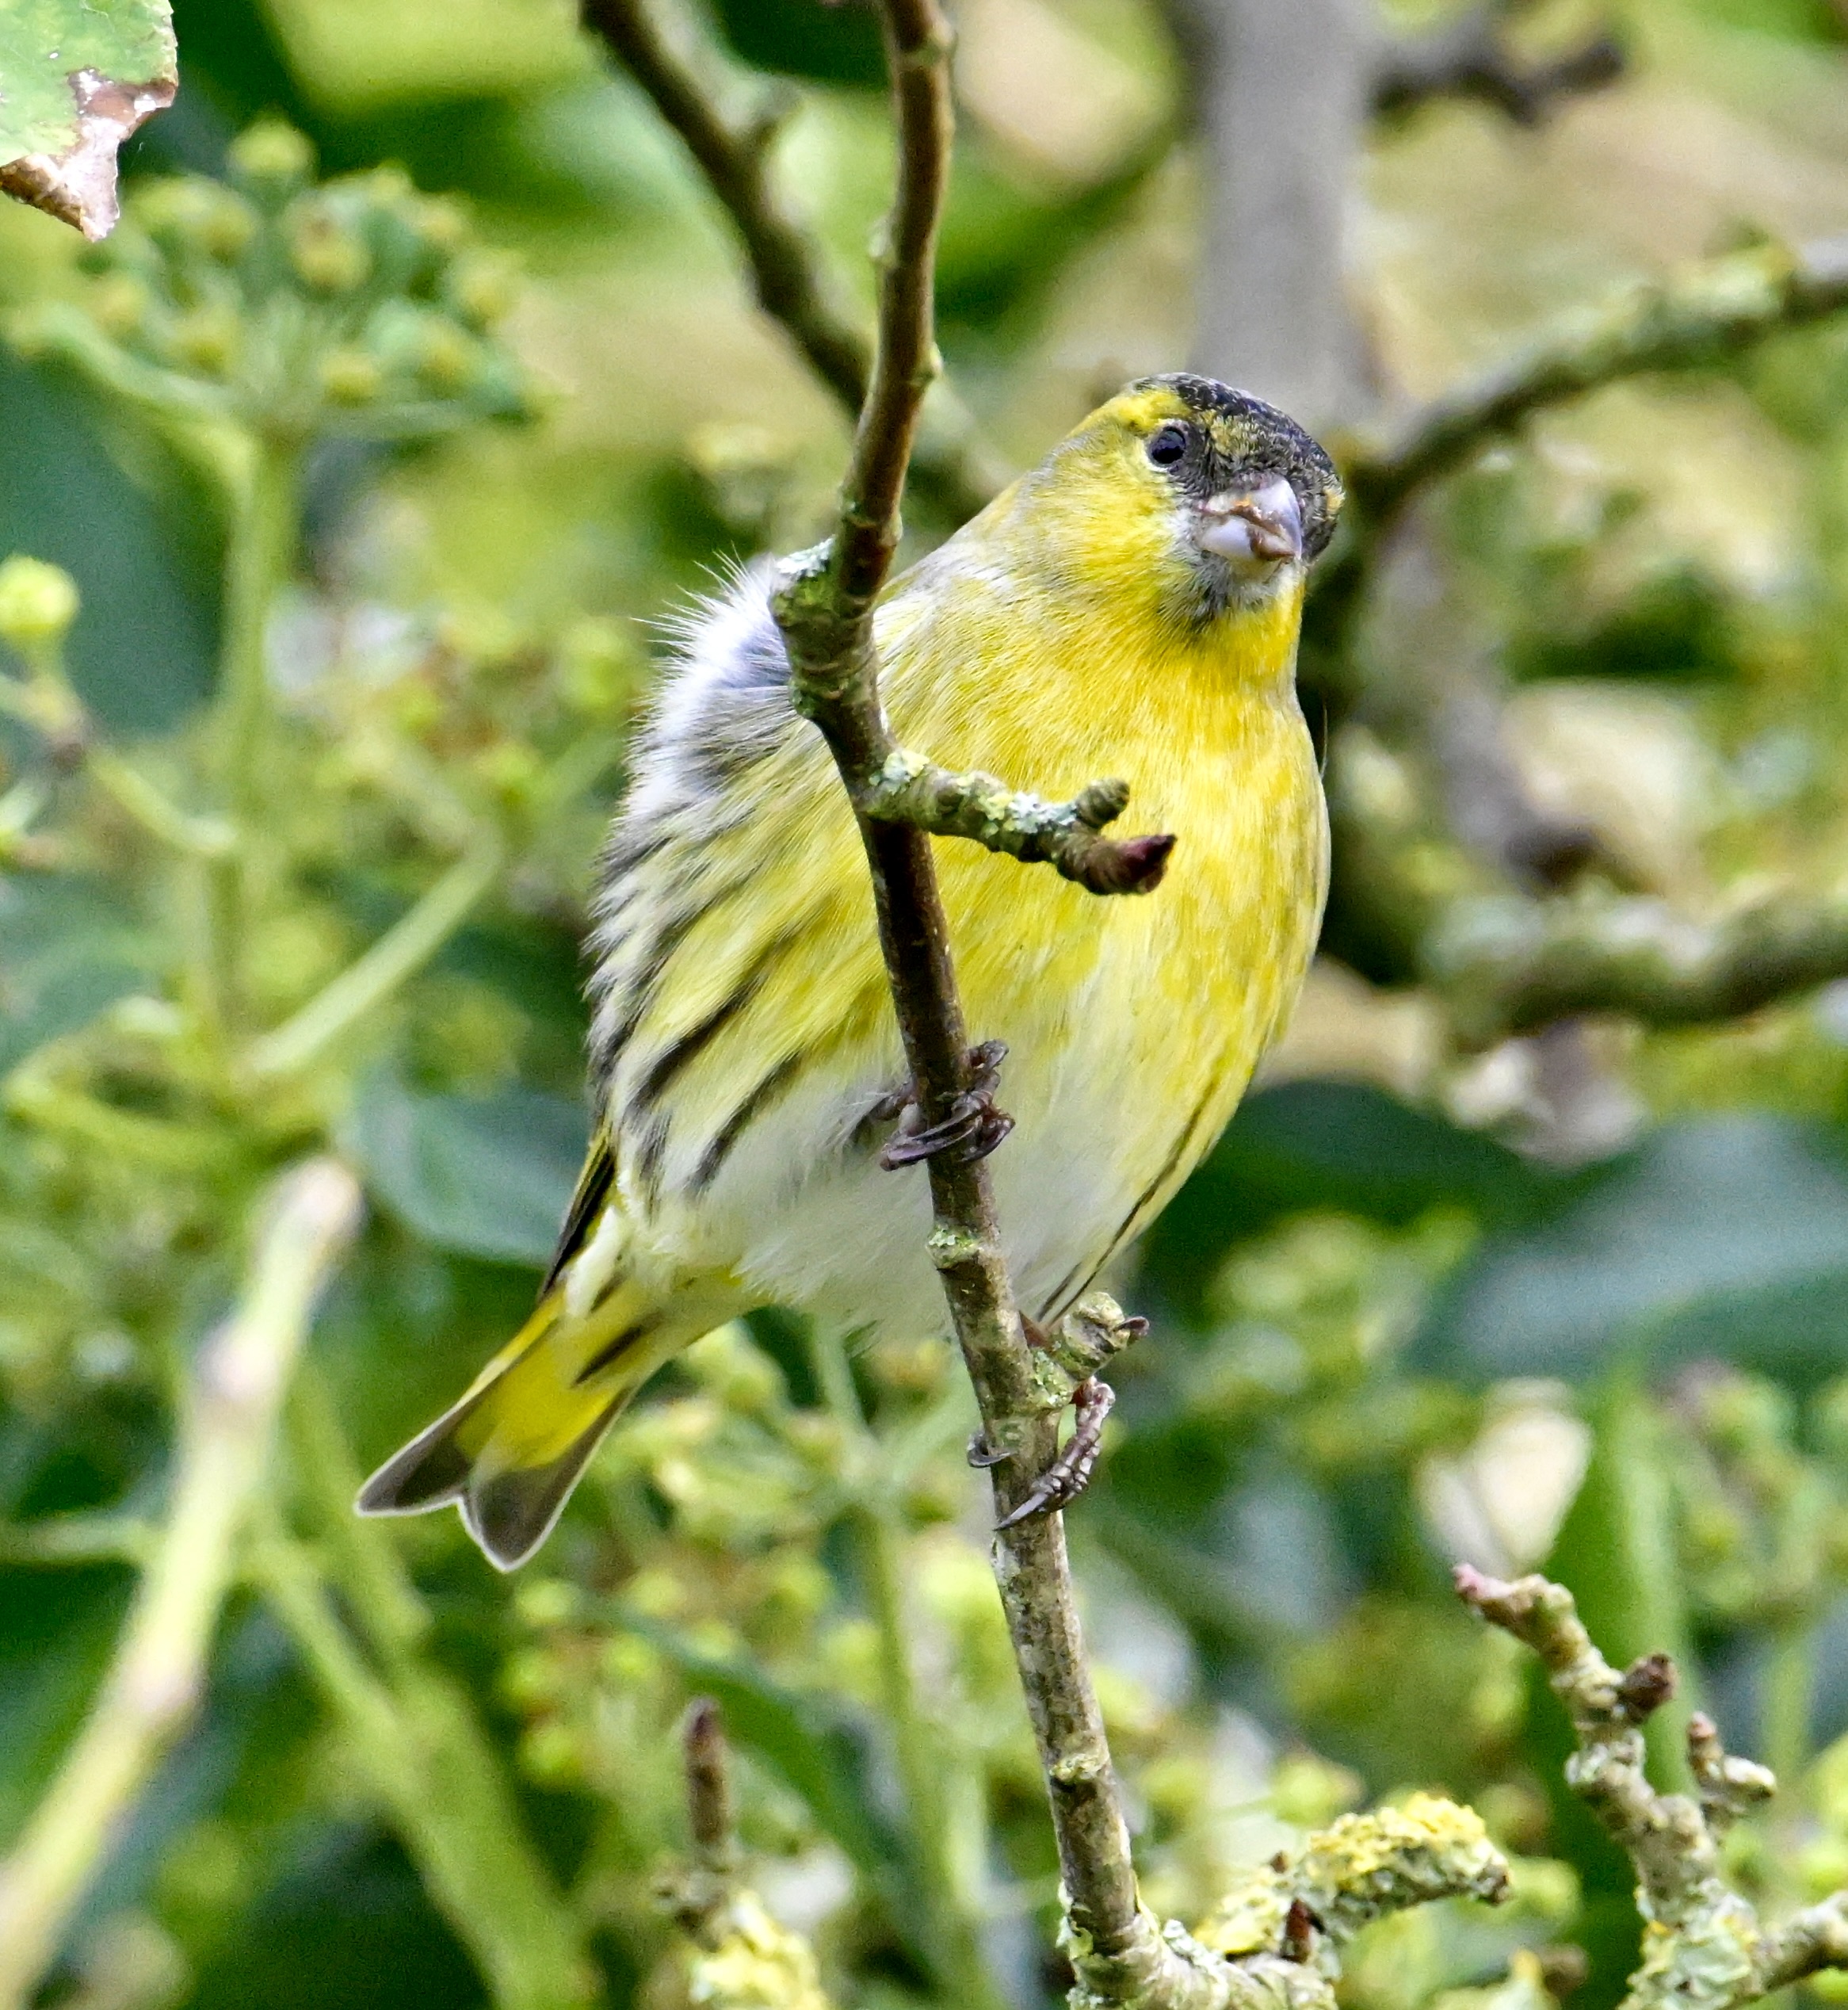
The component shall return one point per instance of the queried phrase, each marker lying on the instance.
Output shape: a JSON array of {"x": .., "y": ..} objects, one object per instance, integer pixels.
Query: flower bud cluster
[
  {"x": 357, "y": 306},
  {"x": 1762, "y": 1519}
]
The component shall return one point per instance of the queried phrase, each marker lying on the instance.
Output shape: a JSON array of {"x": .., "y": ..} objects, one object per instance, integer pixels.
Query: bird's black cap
[{"x": 1253, "y": 440}]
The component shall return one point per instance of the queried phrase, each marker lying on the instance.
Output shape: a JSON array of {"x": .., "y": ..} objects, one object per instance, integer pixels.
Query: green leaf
[
  {"x": 67, "y": 951},
  {"x": 482, "y": 1176},
  {"x": 806, "y": 38},
  {"x": 1728, "y": 1235},
  {"x": 1340, "y": 1146},
  {"x": 77, "y": 77}
]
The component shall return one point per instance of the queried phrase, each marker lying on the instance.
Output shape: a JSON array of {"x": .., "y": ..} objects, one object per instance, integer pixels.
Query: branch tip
[
  {"x": 1647, "y": 1684},
  {"x": 911, "y": 790},
  {"x": 708, "y": 1782},
  {"x": 1704, "y": 1942}
]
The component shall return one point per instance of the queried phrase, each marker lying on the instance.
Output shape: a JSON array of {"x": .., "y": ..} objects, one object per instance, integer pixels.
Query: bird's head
[{"x": 1195, "y": 500}]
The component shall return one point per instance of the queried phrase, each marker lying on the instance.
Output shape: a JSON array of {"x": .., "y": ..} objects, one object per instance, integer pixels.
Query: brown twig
[
  {"x": 732, "y": 1954},
  {"x": 1701, "y": 317},
  {"x": 1705, "y": 1942},
  {"x": 699, "y": 1893},
  {"x": 1513, "y": 966},
  {"x": 709, "y": 1781},
  {"x": 1505, "y": 965},
  {"x": 824, "y": 608},
  {"x": 788, "y": 267}
]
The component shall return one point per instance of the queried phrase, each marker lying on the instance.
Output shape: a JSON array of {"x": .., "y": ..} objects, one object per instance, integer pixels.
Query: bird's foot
[
  {"x": 1070, "y": 1474},
  {"x": 971, "y": 1130},
  {"x": 1065, "y": 1357}
]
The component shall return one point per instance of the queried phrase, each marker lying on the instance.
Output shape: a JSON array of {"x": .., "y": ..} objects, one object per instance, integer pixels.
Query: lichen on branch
[
  {"x": 1703, "y": 1942},
  {"x": 1363, "y": 1868},
  {"x": 1273, "y": 1942},
  {"x": 1067, "y": 836}
]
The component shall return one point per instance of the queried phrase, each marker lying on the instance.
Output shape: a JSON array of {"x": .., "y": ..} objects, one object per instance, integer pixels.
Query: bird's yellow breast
[
  {"x": 1133, "y": 1023},
  {"x": 761, "y": 1028}
]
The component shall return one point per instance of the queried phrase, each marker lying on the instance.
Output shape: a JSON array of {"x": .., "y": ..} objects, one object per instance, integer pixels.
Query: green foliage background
[{"x": 1390, "y": 1326}]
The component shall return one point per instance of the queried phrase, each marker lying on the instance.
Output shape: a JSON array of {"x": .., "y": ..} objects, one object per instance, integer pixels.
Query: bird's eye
[{"x": 1167, "y": 447}]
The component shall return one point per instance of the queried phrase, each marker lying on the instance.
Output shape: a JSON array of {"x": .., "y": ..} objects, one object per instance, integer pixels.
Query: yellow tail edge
[{"x": 508, "y": 1452}]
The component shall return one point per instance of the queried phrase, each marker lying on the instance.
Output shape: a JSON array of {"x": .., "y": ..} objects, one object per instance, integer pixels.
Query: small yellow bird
[{"x": 1129, "y": 608}]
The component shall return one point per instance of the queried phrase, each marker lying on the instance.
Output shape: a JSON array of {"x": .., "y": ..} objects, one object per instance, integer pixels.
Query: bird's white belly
[{"x": 803, "y": 1216}]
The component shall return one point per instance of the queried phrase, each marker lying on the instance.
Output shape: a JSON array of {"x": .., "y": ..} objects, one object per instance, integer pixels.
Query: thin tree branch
[
  {"x": 786, "y": 262},
  {"x": 1513, "y": 966},
  {"x": 825, "y": 608},
  {"x": 1470, "y": 58},
  {"x": 732, "y": 1954},
  {"x": 1705, "y": 1943},
  {"x": 788, "y": 267},
  {"x": 1066, "y": 836},
  {"x": 1697, "y": 319},
  {"x": 154, "y": 1684},
  {"x": 708, "y": 1785},
  {"x": 1120, "y": 1955},
  {"x": 1816, "y": 1938},
  {"x": 1508, "y": 964}
]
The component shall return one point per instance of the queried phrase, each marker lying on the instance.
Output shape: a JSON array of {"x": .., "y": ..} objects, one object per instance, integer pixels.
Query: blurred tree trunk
[{"x": 1284, "y": 89}]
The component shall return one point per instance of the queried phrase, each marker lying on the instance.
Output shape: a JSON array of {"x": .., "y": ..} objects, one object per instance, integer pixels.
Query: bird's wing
[
  {"x": 734, "y": 956},
  {"x": 593, "y": 1192}
]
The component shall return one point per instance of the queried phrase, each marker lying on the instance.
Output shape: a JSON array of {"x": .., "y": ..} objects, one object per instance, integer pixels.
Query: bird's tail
[{"x": 509, "y": 1453}]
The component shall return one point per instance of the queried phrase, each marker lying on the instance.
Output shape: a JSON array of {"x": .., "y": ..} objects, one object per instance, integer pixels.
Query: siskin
[{"x": 1130, "y": 607}]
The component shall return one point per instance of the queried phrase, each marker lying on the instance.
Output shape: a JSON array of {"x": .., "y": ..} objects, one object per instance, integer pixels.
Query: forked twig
[
  {"x": 1704, "y": 1942},
  {"x": 788, "y": 268}
]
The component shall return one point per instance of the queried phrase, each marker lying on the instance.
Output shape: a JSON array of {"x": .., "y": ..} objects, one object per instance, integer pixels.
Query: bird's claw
[
  {"x": 972, "y": 1129},
  {"x": 983, "y": 1451},
  {"x": 1070, "y": 1474}
]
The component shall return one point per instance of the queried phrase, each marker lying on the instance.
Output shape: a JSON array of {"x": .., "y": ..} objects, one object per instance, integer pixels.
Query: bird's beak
[{"x": 1255, "y": 530}]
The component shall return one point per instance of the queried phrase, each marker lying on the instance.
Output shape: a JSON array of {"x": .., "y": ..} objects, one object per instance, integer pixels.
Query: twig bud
[
  {"x": 709, "y": 1781},
  {"x": 1647, "y": 1685}
]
